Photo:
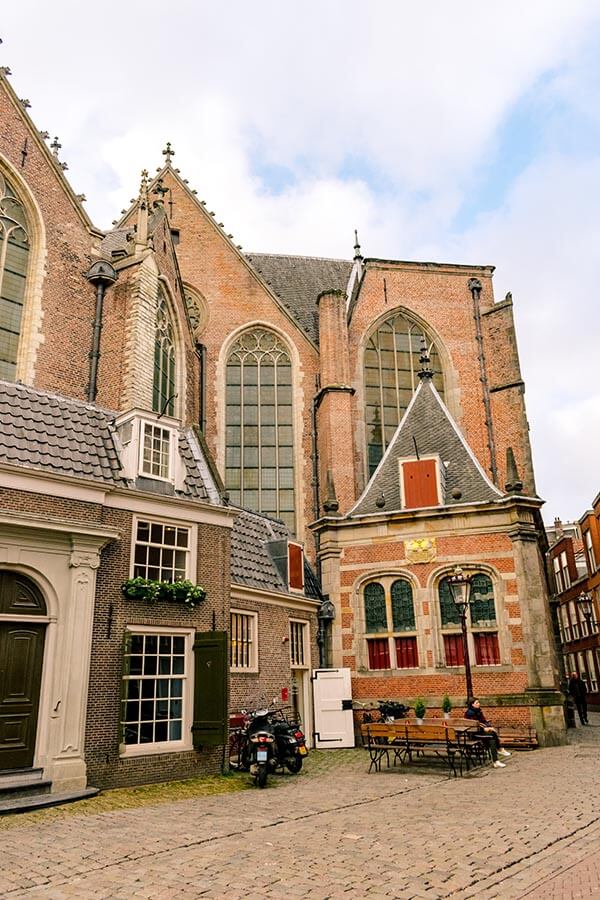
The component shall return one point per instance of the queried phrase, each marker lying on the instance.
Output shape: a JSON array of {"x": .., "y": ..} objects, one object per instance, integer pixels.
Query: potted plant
[
  {"x": 420, "y": 709},
  {"x": 151, "y": 591},
  {"x": 446, "y": 706}
]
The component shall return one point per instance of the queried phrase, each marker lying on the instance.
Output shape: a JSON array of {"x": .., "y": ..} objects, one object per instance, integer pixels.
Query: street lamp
[
  {"x": 460, "y": 587},
  {"x": 584, "y": 601}
]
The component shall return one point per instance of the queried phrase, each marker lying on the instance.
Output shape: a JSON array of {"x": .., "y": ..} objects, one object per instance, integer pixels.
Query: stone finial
[
  {"x": 168, "y": 153},
  {"x": 425, "y": 372},
  {"x": 330, "y": 504},
  {"x": 55, "y": 147},
  {"x": 141, "y": 232},
  {"x": 357, "y": 253},
  {"x": 513, "y": 485}
]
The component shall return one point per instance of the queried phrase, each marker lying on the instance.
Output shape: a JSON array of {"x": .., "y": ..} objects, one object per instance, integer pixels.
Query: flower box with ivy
[{"x": 150, "y": 591}]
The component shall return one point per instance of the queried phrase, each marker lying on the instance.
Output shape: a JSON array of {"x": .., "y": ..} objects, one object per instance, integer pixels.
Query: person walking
[
  {"x": 578, "y": 691},
  {"x": 475, "y": 712}
]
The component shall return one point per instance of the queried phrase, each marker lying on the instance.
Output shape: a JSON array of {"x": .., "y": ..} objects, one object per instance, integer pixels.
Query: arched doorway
[{"x": 21, "y": 658}]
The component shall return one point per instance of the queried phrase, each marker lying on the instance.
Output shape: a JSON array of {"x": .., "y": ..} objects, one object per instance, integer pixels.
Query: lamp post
[
  {"x": 460, "y": 586},
  {"x": 584, "y": 601}
]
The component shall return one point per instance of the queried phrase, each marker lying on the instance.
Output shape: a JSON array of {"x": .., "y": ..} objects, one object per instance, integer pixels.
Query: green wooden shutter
[{"x": 210, "y": 689}]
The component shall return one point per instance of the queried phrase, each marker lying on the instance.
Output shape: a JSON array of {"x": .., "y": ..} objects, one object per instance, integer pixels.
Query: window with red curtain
[
  {"x": 379, "y": 653},
  {"x": 453, "y": 647},
  {"x": 407, "y": 656},
  {"x": 487, "y": 651}
]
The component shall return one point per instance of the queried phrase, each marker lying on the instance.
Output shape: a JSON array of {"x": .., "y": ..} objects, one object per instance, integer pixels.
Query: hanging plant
[{"x": 150, "y": 591}]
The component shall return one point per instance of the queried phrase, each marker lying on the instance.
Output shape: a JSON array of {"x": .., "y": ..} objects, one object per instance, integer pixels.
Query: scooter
[
  {"x": 290, "y": 740},
  {"x": 261, "y": 747}
]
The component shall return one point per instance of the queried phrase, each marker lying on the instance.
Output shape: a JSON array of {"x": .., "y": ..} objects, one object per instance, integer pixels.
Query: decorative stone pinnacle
[
  {"x": 168, "y": 153},
  {"x": 357, "y": 253},
  {"x": 425, "y": 371}
]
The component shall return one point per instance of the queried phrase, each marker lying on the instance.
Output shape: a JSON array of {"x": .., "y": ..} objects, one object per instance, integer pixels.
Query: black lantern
[
  {"x": 460, "y": 587},
  {"x": 584, "y": 601}
]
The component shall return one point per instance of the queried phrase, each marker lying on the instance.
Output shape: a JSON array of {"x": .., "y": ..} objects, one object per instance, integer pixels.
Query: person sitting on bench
[{"x": 474, "y": 711}]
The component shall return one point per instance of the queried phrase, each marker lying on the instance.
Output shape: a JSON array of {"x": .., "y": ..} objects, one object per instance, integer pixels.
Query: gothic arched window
[
  {"x": 259, "y": 451},
  {"x": 390, "y": 626},
  {"x": 163, "y": 393},
  {"x": 14, "y": 258},
  {"x": 481, "y": 624},
  {"x": 391, "y": 364}
]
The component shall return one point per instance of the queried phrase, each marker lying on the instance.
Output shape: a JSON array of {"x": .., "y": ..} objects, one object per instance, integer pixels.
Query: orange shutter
[
  {"x": 295, "y": 567},
  {"x": 420, "y": 483}
]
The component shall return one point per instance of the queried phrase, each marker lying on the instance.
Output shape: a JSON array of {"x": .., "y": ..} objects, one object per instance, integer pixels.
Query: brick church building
[{"x": 176, "y": 409}]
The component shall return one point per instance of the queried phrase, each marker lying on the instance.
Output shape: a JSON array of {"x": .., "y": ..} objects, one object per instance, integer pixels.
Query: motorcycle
[{"x": 266, "y": 740}]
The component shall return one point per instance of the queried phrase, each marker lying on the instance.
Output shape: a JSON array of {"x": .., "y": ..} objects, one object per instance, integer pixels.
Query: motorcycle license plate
[
  {"x": 302, "y": 751},
  {"x": 262, "y": 755}
]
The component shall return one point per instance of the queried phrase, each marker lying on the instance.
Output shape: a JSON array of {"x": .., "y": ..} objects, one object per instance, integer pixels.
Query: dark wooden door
[{"x": 21, "y": 657}]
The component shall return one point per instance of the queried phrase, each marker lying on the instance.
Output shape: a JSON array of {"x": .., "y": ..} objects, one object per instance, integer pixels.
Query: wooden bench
[
  {"x": 408, "y": 741},
  {"x": 518, "y": 737}
]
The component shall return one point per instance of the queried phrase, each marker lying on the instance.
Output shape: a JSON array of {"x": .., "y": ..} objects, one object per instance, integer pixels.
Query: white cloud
[{"x": 382, "y": 116}]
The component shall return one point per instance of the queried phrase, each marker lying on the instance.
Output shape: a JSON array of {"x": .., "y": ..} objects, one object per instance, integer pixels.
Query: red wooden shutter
[
  {"x": 453, "y": 647},
  {"x": 487, "y": 651},
  {"x": 407, "y": 656},
  {"x": 379, "y": 653},
  {"x": 295, "y": 567},
  {"x": 420, "y": 483}
]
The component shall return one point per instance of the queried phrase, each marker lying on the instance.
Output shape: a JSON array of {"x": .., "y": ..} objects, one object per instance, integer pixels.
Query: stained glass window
[
  {"x": 483, "y": 608},
  {"x": 391, "y": 364},
  {"x": 259, "y": 437},
  {"x": 375, "y": 611},
  {"x": 14, "y": 257},
  {"x": 403, "y": 612},
  {"x": 448, "y": 610},
  {"x": 163, "y": 398}
]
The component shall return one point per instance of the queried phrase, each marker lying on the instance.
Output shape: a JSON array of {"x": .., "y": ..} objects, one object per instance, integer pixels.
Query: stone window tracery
[
  {"x": 163, "y": 394},
  {"x": 391, "y": 364},
  {"x": 14, "y": 260},
  {"x": 259, "y": 441}
]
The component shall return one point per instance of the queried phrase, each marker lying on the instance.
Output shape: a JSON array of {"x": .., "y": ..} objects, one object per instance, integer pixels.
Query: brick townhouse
[{"x": 164, "y": 341}]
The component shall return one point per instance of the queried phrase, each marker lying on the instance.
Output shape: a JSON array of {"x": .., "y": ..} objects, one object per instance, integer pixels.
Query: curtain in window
[
  {"x": 391, "y": 363},
  {"x": 259, "y": 454},
  {"x": 487, "y": 650},
  {"x": 453, "y": 647},
  {"x": 14, "y": 258},
  {"x": 407, "y": 656},
  {"x": 163, "y": 395},
  {"x": 379, "y": 653}
]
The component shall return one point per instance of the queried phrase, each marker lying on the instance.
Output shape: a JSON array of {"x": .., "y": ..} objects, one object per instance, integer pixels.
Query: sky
[{"x": 462, "y": 132}]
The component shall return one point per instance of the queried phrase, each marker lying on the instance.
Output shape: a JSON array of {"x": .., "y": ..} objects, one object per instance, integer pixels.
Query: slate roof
[
  {"x": 61, "y": 436},
  {"x": 298, "y": 280},
  {"x": 51, "y": 433},
  {"x": 251, "y": 563},
  {"x": 427, "y": 421}
]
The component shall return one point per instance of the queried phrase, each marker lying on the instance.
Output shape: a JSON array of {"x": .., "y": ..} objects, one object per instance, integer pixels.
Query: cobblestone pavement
[{"x": 530, "y": 830}]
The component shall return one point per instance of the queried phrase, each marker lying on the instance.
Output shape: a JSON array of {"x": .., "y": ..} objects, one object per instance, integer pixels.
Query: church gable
[{"x": 427, "y": 460}]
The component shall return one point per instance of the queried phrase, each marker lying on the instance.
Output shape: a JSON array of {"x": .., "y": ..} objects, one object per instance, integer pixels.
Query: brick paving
[{"x": 530, "y": 830}]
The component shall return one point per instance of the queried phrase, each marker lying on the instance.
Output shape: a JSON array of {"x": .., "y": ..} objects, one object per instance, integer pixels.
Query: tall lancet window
[
  {"x": 391, "y": 364},
  {"x": 163, "y": 395},
  {"x": 14, "y": 257},
  {"x": 259, "y": 453}
]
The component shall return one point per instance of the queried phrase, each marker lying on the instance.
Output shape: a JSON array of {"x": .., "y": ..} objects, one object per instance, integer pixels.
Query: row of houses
[
  {"x": 573, "y": 557},
  {"x": 221, "y": 470}
]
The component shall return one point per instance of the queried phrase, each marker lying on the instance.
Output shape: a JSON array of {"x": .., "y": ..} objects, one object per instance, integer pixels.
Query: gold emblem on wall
[{"x": 422, "y": 550}]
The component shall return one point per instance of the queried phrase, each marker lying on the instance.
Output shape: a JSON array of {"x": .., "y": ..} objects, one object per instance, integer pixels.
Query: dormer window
[
  {"x": 421, "y": 482},
  {"x": 156, "y": 451}
]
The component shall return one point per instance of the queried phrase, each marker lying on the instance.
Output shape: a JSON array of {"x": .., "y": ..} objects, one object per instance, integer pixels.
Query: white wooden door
[{"x": 334, "y": 722}]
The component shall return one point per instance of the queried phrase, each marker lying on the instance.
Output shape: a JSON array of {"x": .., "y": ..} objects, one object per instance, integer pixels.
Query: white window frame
[
  {"x": 575, "y": 624},
  {"x": 589, "y": 547},
  {"x": 557, "y": 575},
  {"x": 190, "y": 569},
  {"x": 155, "y": 426},
  {"x": 304, "y": 630},
  {"x": 591, "y": 670},
  {"x": 564, "y": 567},
  {"x": 128, "y": 750},
  {"x": 253, "y": 618}
]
